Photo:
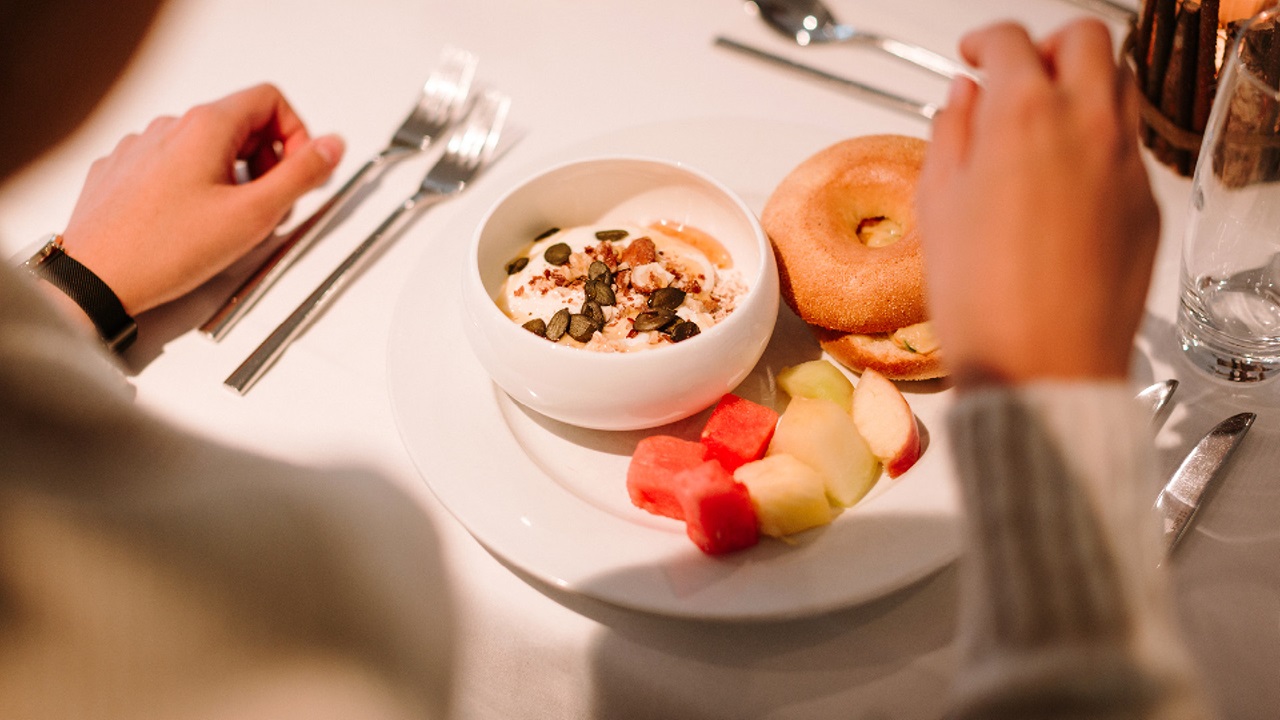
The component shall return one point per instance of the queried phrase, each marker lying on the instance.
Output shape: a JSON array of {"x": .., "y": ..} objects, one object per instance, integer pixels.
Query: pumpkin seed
[
  {"x": 581, "y": 328},
  {"x": 600, "y": 292},
  {"x": 537, "y": 326},
  {"x": 611, "y": 235},
  {"x": 669, "y": 298},
  {"x": 683, "y": 330},
  {"x": 591, "y": 309},
  {"x": 558, "y": 324},
  {"x": 557, "y": 254},
  {"x": 654, "y": 319},
  {"x": 547, "y": 233},
  {"x": 517, "y": 265},
  {"x": 599, "y": 270}
]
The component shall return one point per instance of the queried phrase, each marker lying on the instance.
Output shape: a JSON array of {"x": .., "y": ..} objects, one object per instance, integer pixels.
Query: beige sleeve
[
  {"x": 1064, "y": 612},
  {"x": 149, "y": 573}
]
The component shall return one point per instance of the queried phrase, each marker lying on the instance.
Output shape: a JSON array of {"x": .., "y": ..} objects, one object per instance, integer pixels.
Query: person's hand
[
  {"x": 163, "y": 213},
  {"x": 1035, "y": 210}
]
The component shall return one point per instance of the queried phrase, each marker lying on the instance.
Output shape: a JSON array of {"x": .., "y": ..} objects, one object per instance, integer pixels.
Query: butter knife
[
  {"x": 1181, "y": 497},
  {"x": 884, "y": 97}
]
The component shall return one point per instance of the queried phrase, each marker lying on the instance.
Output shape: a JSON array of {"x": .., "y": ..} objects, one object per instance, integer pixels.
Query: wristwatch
[{"x": 55, "y": 266}]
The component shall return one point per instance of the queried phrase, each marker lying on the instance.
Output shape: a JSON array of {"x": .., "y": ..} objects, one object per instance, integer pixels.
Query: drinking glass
[{"x": 1229, "y": 318}]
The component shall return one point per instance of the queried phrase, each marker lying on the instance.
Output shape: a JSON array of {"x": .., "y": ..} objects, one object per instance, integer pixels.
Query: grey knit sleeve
[{"x": 1064, "y": 612}]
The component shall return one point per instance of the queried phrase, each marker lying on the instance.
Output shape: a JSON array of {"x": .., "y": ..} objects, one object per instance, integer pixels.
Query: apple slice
[
  {"x": 884, "y": 418},
  {"x": 789, "y": 496},
  {"x": 817, "y": 379},
  {"x": 819, "y": 433}
]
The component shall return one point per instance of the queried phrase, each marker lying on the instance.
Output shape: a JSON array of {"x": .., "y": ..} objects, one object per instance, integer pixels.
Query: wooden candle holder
[{"x": 1176, "y": 50}]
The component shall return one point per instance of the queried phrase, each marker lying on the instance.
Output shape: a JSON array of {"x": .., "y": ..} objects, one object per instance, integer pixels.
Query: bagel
[
  {"x": 828, "y": 273},
  {"x": 842, "y": 225}
]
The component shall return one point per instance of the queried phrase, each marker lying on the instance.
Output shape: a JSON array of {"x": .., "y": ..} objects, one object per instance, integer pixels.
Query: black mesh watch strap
[{"x": 114, "y": 325}]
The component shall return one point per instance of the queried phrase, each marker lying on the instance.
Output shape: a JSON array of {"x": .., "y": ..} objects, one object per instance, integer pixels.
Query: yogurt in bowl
[
  {"x": 621, "y": 289},
  {"x": 655, "y": 295}
]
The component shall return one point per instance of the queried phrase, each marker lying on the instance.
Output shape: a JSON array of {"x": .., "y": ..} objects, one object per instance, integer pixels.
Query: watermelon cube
[
  {"x": 738, "y": 431},
  {"x": 654, "y": 466},
  {"x": 718, "y": 513}
]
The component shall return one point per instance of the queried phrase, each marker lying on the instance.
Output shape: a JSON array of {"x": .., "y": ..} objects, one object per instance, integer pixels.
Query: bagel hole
[{"x": 879, "y": 231}]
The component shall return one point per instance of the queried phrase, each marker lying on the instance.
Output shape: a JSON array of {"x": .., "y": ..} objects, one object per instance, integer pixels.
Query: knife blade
[
  {"x": 884, "y": 97},
  {"x": 1182, "y": 495}
]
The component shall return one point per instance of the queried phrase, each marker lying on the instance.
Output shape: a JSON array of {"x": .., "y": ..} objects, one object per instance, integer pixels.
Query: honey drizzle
[{"x": 697, "y": 239}]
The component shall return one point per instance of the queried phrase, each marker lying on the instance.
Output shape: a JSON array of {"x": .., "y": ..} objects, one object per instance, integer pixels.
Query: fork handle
[
  {"x": 916, "y": 55},
  {"x": 261, "y": 360},
  {"x": 888, "y": 99},
  {"x": 292, "y": 247}
]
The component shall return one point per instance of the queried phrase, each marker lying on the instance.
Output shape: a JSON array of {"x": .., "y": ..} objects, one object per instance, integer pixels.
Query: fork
[
  {"x": 444, "y": 95},
  {"x": 469, "y": 149}
]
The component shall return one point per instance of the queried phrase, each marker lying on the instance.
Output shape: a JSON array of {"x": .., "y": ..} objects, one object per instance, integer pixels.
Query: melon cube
[
  {"x": 738, "y": 431},
  {"x": 653, "y": 469},
  {"x": 788, "y": 495},
  {"x": 718, "y": 513}
]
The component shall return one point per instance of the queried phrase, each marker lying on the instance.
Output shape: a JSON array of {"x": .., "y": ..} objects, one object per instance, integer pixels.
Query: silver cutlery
[
  {"x": 443, "y": 98},
  {"x": 469, "y": 149},
  {"x": 809, "y": 22},
  {"x": 1182, "y": 496},
  {"x": 1156, "y": 398},
  {"x": 1185, "y": 491},
  {"x": 884, "y": 97}
]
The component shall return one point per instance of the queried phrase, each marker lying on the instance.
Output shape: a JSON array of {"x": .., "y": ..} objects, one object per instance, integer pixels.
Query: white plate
[{"x": 551, "y": 499}]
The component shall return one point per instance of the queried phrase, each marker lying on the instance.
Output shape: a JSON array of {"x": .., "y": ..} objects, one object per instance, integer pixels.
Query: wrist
[
  {"x": 80, "y": 287},
  {"x": 66, "y": 307},
  {"x": 970, "y": 375}
]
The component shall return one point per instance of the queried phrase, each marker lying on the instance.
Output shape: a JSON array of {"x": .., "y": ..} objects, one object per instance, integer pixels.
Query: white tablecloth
[{"x": 578, "y": 70}]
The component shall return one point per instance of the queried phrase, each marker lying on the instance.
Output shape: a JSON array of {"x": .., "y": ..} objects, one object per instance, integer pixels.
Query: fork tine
[
  {"x": 484, "y": 126},
  {"x": 444, "y": 97},
  {"x": 469, "y": 148},
  {"x": 452, "y": 83}
]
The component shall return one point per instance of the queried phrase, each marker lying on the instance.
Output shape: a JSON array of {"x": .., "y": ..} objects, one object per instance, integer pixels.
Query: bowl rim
[{"x": 766, "y": 266}]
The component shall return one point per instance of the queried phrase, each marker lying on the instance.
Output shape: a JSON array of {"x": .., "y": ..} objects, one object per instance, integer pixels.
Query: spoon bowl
[{"x": 810, "y": 22}]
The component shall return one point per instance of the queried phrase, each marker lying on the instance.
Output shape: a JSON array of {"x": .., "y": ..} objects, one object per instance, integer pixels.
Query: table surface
[{"x": 580, "y": 70}]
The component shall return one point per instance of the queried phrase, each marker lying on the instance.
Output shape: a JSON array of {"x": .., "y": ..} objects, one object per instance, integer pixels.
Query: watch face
[{"x": 29, "y": 250}]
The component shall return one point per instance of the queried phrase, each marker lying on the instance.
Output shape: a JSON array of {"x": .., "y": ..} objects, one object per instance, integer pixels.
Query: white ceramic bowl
[{"x": 618, "y": 391}]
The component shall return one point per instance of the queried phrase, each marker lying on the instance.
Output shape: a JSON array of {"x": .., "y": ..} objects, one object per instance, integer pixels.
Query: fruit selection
[{"x": 754, "y": 472}]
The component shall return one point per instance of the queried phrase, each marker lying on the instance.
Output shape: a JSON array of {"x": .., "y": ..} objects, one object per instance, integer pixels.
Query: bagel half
[{"x": 879, "y": 352}]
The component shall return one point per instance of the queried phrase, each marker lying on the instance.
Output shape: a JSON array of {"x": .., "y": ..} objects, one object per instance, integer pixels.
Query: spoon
[
  {"x": 1156, "y": 398},
  {"x": 809, "y": 22}
]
